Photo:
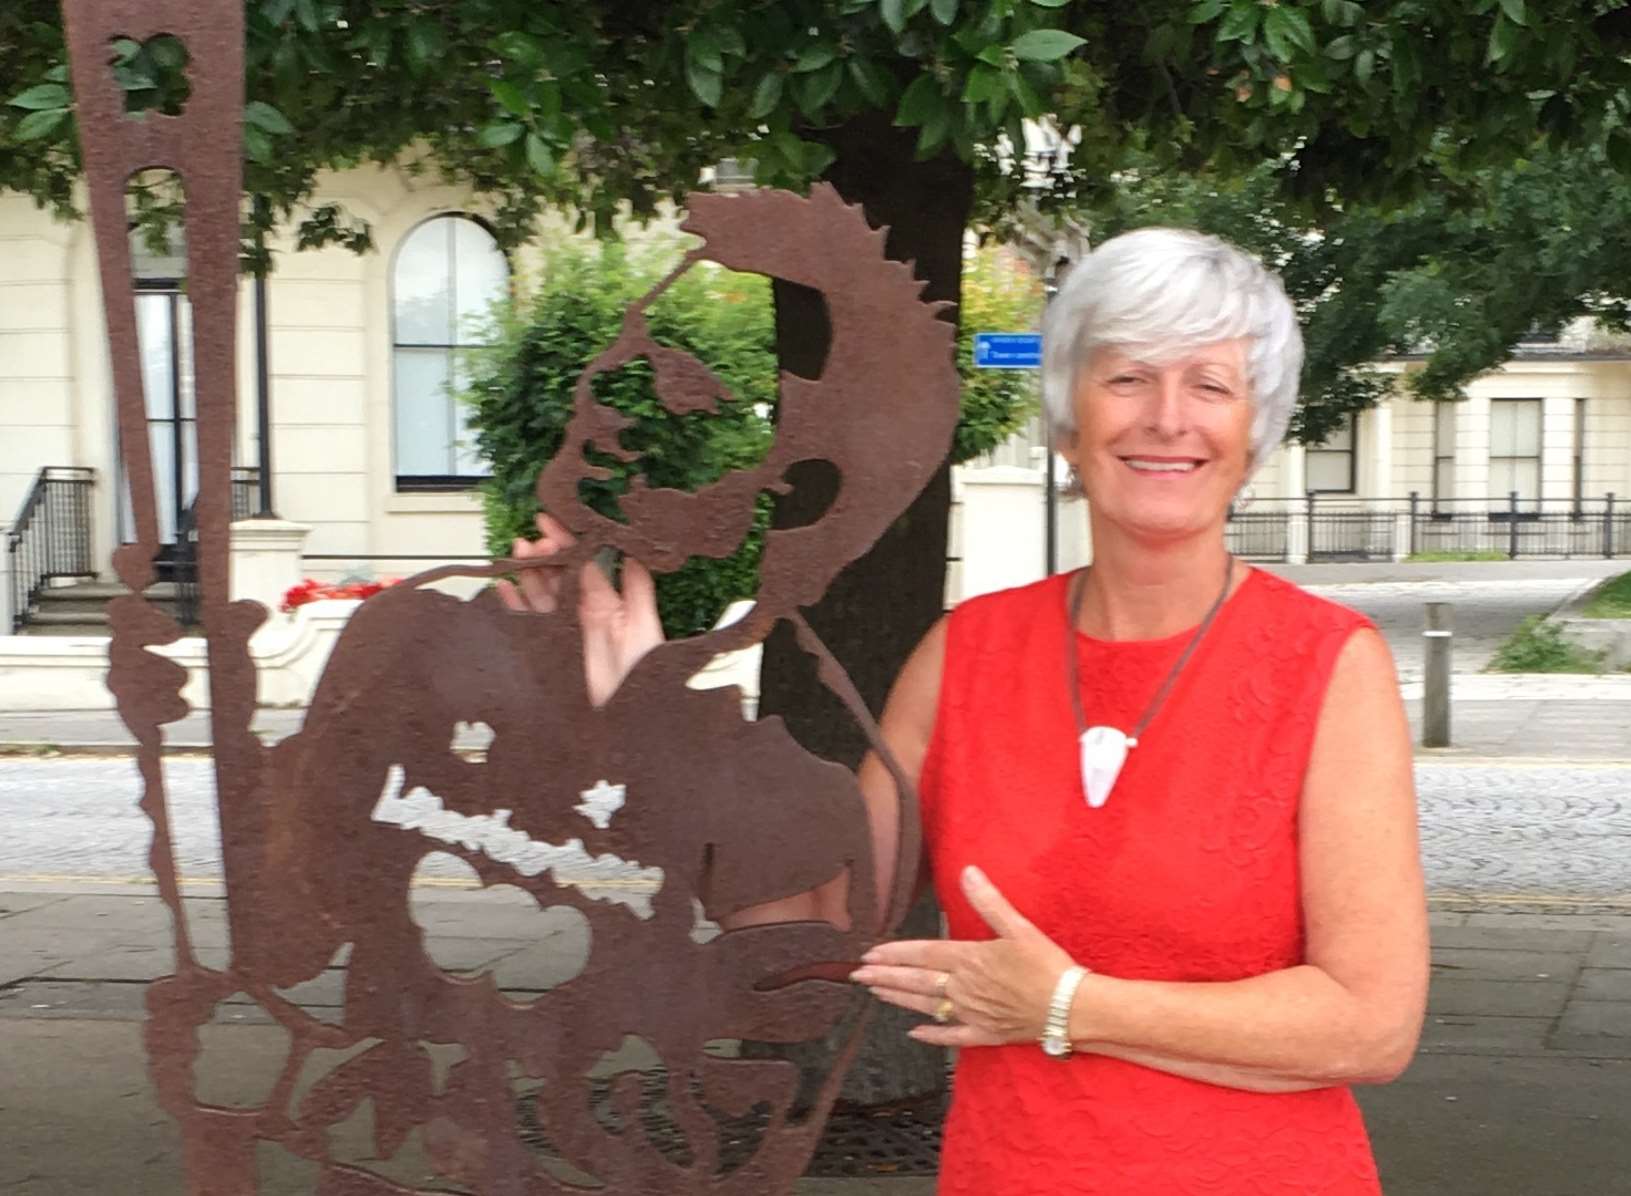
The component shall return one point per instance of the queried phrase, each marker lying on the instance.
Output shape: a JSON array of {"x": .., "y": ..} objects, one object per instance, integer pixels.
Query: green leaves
[
  {"x": 813, "y": 91},
  {"x": 1514, "y": 11},
  {"x": 37, "y": 125},
  {"x": 1045, "y": 45},
  {"x": 42, "y": 97},
  {"x": 894, "y": 14},
  {"x": 766, "y": 96},
  {"x": 499, "y": 134},
  {"x": 1503, "y": 39},
  {"x": 1286, "y": 30},
  {"x": 814, "y": 57},
  {"x": 509, "y": 95},
  {"x": 945, "y": 11},
  {"x": 263, "y": 116},
  {"x": 872, "y": 81},
  {"x": 426, "y": 43},
  {"x": 920, "y": 101},
  {"x": 705, "y": 84},
  {"x": 539, "y": 156}
]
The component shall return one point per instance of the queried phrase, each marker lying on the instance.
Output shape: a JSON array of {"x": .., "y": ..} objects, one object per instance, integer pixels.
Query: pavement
[{"x": 1522, "y": 1084}]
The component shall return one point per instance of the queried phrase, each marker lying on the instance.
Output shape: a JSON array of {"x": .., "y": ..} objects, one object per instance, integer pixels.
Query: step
[
  {"x": 104, "y": 591},
  {"x": 95, "y": 621}
]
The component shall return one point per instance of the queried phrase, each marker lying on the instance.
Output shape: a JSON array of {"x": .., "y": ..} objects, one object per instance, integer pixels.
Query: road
[
  {"x": 1488, "y": 607},
  {"x": 1501, "y": 832}
]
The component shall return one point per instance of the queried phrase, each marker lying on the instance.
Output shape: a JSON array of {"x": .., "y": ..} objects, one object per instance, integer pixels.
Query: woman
[{"x": 1167, "y": 801}]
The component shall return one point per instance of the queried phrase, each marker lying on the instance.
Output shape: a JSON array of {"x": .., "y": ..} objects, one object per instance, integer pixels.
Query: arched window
[{"x": 448, "y": 272}]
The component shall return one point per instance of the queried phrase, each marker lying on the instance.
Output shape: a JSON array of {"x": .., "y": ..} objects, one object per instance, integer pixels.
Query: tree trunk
[{"x": 877, "y": 609}]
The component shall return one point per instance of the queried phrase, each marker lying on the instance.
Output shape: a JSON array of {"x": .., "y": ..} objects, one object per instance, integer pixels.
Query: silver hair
[{"x": 1157, "y": 293}]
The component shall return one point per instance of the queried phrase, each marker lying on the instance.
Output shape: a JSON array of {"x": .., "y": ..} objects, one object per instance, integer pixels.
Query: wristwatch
[{"x": 1056, "y": 1030}]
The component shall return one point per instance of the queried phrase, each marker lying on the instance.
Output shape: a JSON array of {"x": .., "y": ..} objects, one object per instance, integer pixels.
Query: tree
[
  {"x": 1460, "y": 279},
  {"x": 910, "y": 107}
]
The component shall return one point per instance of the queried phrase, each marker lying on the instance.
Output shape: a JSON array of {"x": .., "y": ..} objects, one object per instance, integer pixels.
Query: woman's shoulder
[
  {"x": 1016, "y": 607},
  {"x": 1289, "y": 601}
]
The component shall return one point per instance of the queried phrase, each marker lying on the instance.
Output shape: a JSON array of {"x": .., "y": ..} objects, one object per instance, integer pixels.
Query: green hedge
[{"x": 520, "y": 393}]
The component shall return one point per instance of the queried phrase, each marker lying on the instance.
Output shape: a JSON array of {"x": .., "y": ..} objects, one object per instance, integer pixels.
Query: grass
[
  {"x": 1440, "y": 557},
  {"x": 1541, "y": 647},
  {"x": 1611, "y": 600}
]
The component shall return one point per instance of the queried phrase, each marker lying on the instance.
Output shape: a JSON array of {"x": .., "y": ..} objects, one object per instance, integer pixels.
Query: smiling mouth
[{"x": 1163, "y": 466}]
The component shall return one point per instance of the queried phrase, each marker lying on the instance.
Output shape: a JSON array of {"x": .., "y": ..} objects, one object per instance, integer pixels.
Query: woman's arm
[{"x": 1350, "y": 1014}]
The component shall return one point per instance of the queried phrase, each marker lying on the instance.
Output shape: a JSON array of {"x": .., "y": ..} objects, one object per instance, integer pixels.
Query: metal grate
[{"x": 859, "y": 1141}]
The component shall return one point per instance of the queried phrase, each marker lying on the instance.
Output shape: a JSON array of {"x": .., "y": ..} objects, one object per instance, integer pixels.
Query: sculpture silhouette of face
[{"x": 632, "y": 826}]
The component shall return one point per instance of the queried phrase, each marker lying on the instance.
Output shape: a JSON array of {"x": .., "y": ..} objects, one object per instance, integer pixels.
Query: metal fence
[
  {"x": 182, "y": 567},
  {"x": 1337, "y": 528},
  {"x": 51, "y": 538}
]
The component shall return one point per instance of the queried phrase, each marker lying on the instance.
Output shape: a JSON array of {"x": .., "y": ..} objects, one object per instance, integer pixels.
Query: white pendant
[{"x": 1104, "y": 751}]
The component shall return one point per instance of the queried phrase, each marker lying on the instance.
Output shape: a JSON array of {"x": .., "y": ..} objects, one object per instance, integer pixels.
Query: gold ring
[
  {"x": 942, "y": 984},
  {"x": 944, "y": 1010}
]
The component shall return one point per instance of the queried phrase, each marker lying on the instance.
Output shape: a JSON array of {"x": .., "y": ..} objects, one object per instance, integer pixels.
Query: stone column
[
  {"x": 266, "y": 559},
  {"x": 1293, "y": 483},
  {"x": 1381, "y": 435}
]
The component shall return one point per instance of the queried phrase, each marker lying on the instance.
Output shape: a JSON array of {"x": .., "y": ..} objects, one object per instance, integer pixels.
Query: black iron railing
[
  {"x": 182, "y": 566},
  {"x": 1326, "y": 527},
  {"x": 246, "y": 481},
  {"x": 51, "y": 538}
]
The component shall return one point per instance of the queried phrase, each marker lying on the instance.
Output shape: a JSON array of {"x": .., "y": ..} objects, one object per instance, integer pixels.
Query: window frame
[
  {"x": 435, "y": 483},
  {"x": 1351, "y": 452},
  {"x": 1504, "y": 512}
]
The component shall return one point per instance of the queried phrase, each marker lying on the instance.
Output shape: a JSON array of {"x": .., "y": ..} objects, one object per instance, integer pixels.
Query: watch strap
[{"x": 1056, "y": 1030}]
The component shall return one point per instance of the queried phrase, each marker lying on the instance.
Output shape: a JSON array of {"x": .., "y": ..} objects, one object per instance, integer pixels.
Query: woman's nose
[{"x": 1168, "y": 413}]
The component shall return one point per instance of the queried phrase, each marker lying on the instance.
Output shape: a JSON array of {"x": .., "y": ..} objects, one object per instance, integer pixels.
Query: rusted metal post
[{"x": 1435, "y": 703}]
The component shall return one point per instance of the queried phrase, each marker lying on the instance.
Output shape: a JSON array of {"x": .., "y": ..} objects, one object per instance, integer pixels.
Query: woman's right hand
[{"x": 618, "y": 627}]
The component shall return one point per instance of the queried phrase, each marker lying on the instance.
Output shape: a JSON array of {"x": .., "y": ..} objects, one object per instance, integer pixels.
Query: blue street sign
[{"x": 1008, "y": 350}]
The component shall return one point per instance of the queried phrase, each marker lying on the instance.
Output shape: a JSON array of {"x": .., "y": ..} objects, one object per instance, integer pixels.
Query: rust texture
[{"x": 640, "y": 814}]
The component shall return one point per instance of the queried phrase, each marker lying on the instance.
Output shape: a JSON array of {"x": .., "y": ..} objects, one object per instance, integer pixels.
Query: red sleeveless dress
[{"x": 1188, "y": 873}]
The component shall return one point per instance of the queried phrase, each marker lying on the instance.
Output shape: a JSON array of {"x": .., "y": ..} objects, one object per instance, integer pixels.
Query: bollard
[{"x": 1435, "y": 704}]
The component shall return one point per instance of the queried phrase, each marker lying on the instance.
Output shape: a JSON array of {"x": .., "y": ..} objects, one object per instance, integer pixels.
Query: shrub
[
  {"x": 1539, "y": 646},
  {"x": 520, "y": 392}
]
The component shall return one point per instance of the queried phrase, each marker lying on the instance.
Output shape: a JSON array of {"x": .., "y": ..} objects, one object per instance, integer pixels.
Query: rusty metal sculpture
[{"x": 633, "y": 813}]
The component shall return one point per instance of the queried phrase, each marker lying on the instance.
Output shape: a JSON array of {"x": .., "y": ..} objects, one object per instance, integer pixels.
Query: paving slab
[
  {"x": 1584, "y": 1020},
  {"x": 1468, "y": 1125},
  {"x": 1477, "y": 998},
  {"x": 1609, "y": 951},
  {"x": 1496, "y": 964}
]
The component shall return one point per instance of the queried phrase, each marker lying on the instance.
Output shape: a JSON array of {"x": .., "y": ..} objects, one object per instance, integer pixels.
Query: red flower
[{"x": 312, "y": 590}]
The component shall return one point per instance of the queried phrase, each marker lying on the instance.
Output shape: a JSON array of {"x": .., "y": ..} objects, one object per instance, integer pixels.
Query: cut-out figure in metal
[{"x": 633, "y": 808}]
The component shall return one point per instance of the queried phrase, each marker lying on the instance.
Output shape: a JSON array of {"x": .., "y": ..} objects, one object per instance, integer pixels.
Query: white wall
[{"x": 37, "y": 401}]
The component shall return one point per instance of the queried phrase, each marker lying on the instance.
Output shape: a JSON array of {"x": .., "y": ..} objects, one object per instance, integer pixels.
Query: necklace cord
[{"x": 1073, "y": 669}]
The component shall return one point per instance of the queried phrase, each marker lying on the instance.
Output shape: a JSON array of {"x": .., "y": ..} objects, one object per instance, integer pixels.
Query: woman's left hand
[{"x": 999, "y": 989}]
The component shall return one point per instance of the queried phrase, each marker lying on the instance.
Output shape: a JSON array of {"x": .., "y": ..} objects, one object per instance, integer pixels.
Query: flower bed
[{"x": 312, "y": 590}]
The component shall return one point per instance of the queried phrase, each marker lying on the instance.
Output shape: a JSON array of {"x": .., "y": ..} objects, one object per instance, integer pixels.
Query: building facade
[{"x": 368, "y": 451}]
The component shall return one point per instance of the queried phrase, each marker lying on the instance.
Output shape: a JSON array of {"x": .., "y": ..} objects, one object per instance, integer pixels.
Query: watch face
[{"x": 1057, "y": 1047}]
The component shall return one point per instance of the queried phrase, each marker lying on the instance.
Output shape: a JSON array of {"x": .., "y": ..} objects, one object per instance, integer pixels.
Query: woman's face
[{"x": 1162, "y": 449}]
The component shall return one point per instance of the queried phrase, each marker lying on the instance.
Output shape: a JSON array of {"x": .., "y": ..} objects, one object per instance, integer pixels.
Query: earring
[
  {"x": 1245, "y": 497},
  {"x": 1071, "y": 487}
]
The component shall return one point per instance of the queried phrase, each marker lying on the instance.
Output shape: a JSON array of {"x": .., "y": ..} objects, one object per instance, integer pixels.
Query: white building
[{"x": 365, "y": 441}]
